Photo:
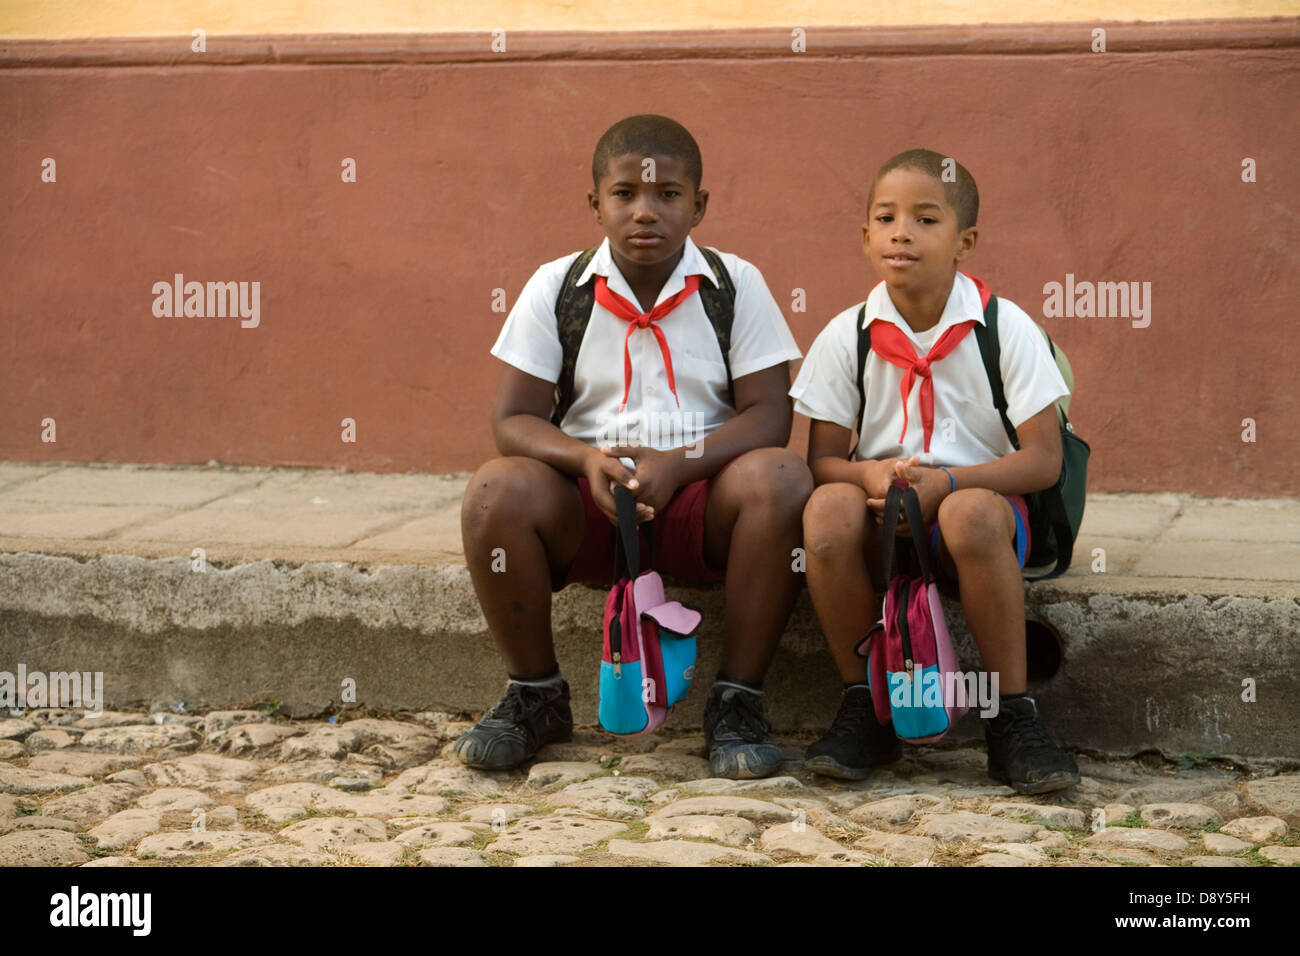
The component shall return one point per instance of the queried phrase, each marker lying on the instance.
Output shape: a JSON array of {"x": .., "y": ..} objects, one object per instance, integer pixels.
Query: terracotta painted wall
[{"x": 376, "y": 296}]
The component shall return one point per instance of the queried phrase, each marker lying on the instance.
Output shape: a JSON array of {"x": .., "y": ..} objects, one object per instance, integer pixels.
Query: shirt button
[{"x": 650, "y": 389}]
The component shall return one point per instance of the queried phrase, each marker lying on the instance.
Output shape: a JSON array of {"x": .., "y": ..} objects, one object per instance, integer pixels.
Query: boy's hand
[
  {"x": 656, "y": 476},
  {"x": 877, "y": 476},
  {"x": 603, "y": 473},
  {"x": 931, "y": 484}
]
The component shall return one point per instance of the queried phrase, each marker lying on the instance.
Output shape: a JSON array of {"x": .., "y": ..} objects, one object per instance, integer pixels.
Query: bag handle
[
  {"x": 903, "y": 497},
  {"x": 627, "y": 543}
]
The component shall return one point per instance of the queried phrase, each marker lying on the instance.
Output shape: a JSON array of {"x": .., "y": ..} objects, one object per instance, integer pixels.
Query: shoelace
[
  {"x": 1026, "y": 734},
  {"x": 852, "y": 717},
  {"x": 516, "y": 703},
  {"x": 743, "y": 714}
]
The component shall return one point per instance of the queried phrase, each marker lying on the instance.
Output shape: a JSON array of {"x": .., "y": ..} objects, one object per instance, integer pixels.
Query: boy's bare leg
[
  {"x": 534, "y": 514},
  {"x": 843, "y": 544},
  {"x": 977, "y": 534},
  {"x": 752, "y": 525}
]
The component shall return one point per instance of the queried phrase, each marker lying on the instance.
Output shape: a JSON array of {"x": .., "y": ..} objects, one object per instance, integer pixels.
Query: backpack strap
[
  {"x": 573, "y": 312},
  {"x": 864, "y": 346},
  {"x": 720, "y": 307}
]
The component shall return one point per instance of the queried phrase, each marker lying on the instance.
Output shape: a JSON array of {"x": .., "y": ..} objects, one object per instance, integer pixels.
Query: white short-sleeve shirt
[
  {"x": 760, "y": 339},
  {"x": 967, "y": 427}
]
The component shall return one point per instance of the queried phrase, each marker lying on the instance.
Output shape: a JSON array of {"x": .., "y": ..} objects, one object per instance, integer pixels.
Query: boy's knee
[
  {"x": 498, "y": 490},
  {"x": 834, "y": 518},
  {"x": 974, "y": 519},
  {"x": 774, "y": 478}
]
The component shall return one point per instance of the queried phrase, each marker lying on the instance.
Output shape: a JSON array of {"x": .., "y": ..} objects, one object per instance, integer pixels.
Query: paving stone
[
  {"x": 248, "y": 740},
  {"x": 1221, "y": 843},
  {"x": 897, "y": 811},
  {"x": 897, "y": 847},
  {"x": 1118, "y": 813},
  {"x": 219, "y": 720},
  {"x": 563, "y": 832},
  {"x": 1279, "y": 796},
  {"x": 321, "y": 833},
  {"x": 1182, "y": 789},
  {"x": 93, "y": 804},
  {"x": 1256, "y": 830},
  {"x": 23, "y": 781},
  {"x": 561, "y": 773},
  {"x": 323, "y": 770},
  {"x": 357, "y": 778},
  {"x": 733, "y": 831},
  {"x": 666, "y": 766},
  {"x": 368, "y": 854},
  {"x": 437, "y": 834},
  {"x": 1180, "y": 816},
  {"x": 546, "y": 859},
  {"x": 1048, "y": 839},
  {"x": 453, "y": 856},
  {"x": 140, "y": 739},
  {"x": 82, "y": 764},
  {"x": 15, "y": 728},
  {"x": 1217, "y": 861},
  {"x": 386, "y": 802},
  {"x": 1139, "y": 838},
  {"x": 456, "y": 781},
  {"x": 755, "y": 811},
  {"x": 112, "y": 718},
  {"x": 1227, "y": 802},
  {"x": 685, "y": 853},
  {"x": 168, "y": 847},
  {"x": 216, "y": 818},
  {"x": 719, "y": 785},
  {"x": 963, "y": 826},
  {"x": 498, "y": 814},
  {"x": 11, "y": 750},
  {"x": 1285, "y": 855},
  {"x": 41, "y": 848},
  {"x": 276, "y": 855},
  {"x": 999, "y": 859},
  {"x": 607, "y": 796},
  {"x": 40, "y": 821},
  {"x": 1021, "y": 851},
  {"x": 124, "y": 829},
  {"x": 48, "y": 738},
  {"x": 842, "y": 856},
  {"x": 1118, "y": 855},
  {"x": 175, "y": 798},
  {"x": 197, "y": 769},
  {"x": 1062, "y": 817},
  {"x": 113, "y": 861},
  {"x": 132, "y": 778},
  {"x": 794, "y": 838}
]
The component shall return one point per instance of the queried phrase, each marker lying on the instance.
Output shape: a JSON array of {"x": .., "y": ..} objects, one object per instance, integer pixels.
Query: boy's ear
[
  {"x": 593, "y": 202},
  {"x": 866, "y": 241},
  {"x": 966, "y": 243},
  {"x": 701, "y": 204}
]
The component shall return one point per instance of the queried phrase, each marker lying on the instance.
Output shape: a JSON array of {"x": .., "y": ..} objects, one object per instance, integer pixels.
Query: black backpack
[
  {"x": 573, "y": 312},
  {"x": 1055, "y": 513}
]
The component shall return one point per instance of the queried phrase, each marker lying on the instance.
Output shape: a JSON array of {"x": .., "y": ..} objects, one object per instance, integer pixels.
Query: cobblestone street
[{"x": 240, "y": 788}]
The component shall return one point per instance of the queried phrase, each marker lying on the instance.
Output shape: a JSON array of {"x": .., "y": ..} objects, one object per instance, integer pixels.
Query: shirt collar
[
  {"x": 691, "y": 263},
  {"x": 963, "y": 305}
]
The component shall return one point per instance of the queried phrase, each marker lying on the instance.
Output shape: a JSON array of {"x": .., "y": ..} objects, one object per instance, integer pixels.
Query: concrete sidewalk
[{"x": 315, "y": 576}]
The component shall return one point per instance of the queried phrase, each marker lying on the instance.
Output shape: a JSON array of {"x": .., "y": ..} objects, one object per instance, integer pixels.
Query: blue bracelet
[{"x": 951, "y": 479}]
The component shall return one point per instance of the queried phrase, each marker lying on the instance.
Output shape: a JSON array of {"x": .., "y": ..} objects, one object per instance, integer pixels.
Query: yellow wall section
[{"x": 65, "y": 19}]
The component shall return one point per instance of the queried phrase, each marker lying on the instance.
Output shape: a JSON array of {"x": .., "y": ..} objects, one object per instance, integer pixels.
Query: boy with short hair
[
  {"x": 924, "y": 367},
  {"x": 671, "y": 344}
]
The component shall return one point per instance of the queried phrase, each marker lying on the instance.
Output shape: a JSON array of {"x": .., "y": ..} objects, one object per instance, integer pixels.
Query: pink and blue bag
[
  {"x": 913, "y": 670},
  {"x": 649, "y": 653}
]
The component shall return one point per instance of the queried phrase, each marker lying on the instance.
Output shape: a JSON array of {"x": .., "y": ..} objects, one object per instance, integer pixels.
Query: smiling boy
[
  {"x": 684, "y": 350},
  {"x": 924, "y": 367}
]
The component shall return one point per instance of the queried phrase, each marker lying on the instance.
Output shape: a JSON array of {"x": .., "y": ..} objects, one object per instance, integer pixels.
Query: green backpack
[
  {"x": 573, "y": 312},
  {"x": 1055, "y": 513}
]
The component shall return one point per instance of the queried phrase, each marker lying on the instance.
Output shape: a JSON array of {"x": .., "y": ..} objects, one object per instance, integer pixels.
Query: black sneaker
[
  {"x": 518, "y": 726},
  {"x": 1022, "y": 755},
  {"x": 856, "y": 743},
  {"x": 738, "y": 735}
]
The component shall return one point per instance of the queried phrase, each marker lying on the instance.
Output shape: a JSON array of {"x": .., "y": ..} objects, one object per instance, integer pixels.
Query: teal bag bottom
[
  {"x": 679, "y": 665},
  {"x": 621, "y": 710},
  {"x": 912, "y": 717}
]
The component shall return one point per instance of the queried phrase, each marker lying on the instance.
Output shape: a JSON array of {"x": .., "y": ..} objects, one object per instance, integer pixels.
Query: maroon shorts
[{"x": 675, "y": 542}]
